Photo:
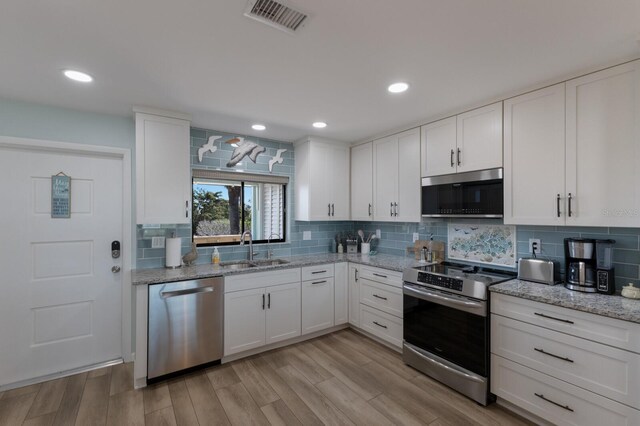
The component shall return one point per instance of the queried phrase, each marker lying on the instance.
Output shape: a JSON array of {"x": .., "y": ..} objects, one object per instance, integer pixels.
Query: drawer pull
[
  {"x": 319, "y": 282},
  {"x": 380, "y": 297},
  {"x": 541, "y": 396},
  {"x": 379, "y": 325},
  {"x": 542, "y": 351},
  {"x": 380, "y": 275},
  {"x": 318, "y": 272},
  {"x": 553, "y": 318}
]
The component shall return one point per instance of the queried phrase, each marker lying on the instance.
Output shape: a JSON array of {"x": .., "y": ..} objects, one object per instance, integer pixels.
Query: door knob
[{"x": 115, "y": 269}]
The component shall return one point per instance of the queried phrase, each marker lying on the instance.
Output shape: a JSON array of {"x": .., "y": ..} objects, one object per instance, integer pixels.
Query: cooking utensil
[{"x": 361, "y": 234}]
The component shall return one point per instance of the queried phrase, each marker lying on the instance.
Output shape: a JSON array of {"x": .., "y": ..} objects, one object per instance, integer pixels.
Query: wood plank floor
[{"x": 339, "y": 379}]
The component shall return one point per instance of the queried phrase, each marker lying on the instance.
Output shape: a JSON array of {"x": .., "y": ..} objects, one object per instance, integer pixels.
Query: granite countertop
[
  {"x": 163, "y": 275},
  {"x": 613, "y": 306}
]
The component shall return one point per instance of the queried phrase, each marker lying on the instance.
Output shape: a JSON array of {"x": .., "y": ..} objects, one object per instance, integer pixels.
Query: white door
[
  {"x": 385, "y": 178},
  {"x": 479, "y": 139},
  {"x": 534, "y": 160},
  {"x": 362, "y": 182},
  {"x": 244, "y": 314},
  {"x": 61, "y": 304},
  {"x": 283, "y": 312},
  {"x": 408, "y": 209},
  {"x": 439, "y": 147},
  {"x": 339, "y": 183},
  {"x": 317, "y": 305}
]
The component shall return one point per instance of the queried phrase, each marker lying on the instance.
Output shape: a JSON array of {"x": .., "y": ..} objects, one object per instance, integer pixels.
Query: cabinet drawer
[
  {"x": 555, "y": 400},
  {"x": 260, "y": 279},
  {"x": 381, "y": 296},
  {"x": 385, "y": 326},
  {"x": 383, "y": 276},
  {"x": 599, "y": 368},
  {"x": 608, "y": 331},
  {"x": 318, "y": 271}
]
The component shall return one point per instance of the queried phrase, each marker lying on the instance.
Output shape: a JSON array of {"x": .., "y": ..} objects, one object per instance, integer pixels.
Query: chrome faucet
[
  {"x": 269, "y": 251},
  {"x": 250, "y": 243}
]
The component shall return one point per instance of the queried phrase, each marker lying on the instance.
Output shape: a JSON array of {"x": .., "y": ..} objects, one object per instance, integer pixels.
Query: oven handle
[
  {"x": 476, "y": 308},
  {"x": 450, "y": 368}
]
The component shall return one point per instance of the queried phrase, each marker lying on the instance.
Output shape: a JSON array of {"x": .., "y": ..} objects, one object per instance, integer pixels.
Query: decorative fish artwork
[
  {"x": 209, "y": 146},
  {"x": 276, "y": 159},
  {"x": 243, "y": 149}
]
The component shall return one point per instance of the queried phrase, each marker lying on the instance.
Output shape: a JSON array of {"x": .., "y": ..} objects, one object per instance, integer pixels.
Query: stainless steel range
[{"x": 446, "y": 324}]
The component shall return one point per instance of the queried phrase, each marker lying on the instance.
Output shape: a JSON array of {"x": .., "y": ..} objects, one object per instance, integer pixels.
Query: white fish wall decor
[
  {"x": 209, "y": 146},
  {"x": 276, "y": 159},
  {"x": 243, "y": 149}
]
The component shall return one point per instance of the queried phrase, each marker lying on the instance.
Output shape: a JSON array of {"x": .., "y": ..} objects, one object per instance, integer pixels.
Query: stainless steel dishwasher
[{"x": 185, "y": 325}]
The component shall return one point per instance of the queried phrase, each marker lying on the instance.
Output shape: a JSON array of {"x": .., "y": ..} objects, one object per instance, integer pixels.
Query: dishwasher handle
[{"x": 174, "y": 293}]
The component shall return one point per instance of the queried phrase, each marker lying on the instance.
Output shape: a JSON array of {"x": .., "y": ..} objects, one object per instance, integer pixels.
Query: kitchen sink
[
  {"x": 242, "y": 264},
  {"x": 270, "y": 262}
]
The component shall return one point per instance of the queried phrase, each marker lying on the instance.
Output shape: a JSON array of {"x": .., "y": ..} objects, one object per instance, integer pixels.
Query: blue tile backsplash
[{"x": 395, "y": 236}]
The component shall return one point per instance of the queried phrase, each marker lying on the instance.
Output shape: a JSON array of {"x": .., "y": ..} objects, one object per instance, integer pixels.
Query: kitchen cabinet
[
  {"x": 585, "y": 171},
  {"x": 396, "y": 177},
  {"x": 375, "y": 302},
  {"x": 565, "y": 366},
  {"x": 321, "y": 180},
  {"x": 282, "y": 312},
  {"x": 467, "y": 142},
  {"x": 341, "y": 294},
  {"x": 362, "y": 182},
  {"x": 317, "y": 305},
  {"x": 534, "y": 157},
  {"x": 163, "y": 168}
]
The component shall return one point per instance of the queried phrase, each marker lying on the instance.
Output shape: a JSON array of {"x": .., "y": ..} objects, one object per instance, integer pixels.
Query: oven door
[{"x": 454, "y": 328}]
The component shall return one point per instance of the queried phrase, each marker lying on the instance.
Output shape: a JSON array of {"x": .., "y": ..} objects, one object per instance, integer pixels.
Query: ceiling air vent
[{"x": 275, "y": 14}]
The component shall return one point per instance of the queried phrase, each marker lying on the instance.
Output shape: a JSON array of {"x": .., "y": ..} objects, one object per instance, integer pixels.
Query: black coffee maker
[{"x": 589, "y": 266}]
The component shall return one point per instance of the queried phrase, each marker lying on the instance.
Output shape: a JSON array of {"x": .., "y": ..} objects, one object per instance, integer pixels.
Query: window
[{"x": 225, "y": 204}]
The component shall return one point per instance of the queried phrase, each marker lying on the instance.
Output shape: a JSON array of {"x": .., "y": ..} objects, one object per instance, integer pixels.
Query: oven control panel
[{"x": 440, "y": 281}]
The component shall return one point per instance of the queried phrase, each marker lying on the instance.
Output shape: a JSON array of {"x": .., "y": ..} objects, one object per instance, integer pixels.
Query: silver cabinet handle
[
  {"x": 263, "y": 301},
  {"x": 542, "y": 351},
  {"x": 356, "y": 275},
  {"x": 569, "y": 204},
  {"x": 167, "y": 294},
  {"x": 329, "y": 209},
  {"x": 458, "y": 157},
  {"x": 333, "y": 209},
  {"x": 541, "y": 396},
  {"x": 452, "y": 152},
  {"x": 369, "y": 209},
  {"x": 269, "y": 301},
  {"x": 380, "y": 325},
  {"x": 558, "y": 204},
  {"x": 318, "y": 272},
  {"x": 318, "y": 282},
  {"x": 380, "y": 275},
  {"x": 395, "y": 210},
  {"x": 553, "y": 318},
  {"x": 380, "y": 297},
  {"x": 391, "y": 209}
]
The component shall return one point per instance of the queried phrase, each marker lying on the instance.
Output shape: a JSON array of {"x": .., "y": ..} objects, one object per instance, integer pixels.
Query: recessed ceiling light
[
  {"x": 319, "y": 124},
  {"x": 78, "y": 76},
  {"x": 258, "y": 127},
  {"x": 398, "y": 87}
]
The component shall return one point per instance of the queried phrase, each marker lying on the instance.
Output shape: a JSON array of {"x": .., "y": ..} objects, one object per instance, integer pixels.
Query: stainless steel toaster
[{"x": 539, "y": 271}]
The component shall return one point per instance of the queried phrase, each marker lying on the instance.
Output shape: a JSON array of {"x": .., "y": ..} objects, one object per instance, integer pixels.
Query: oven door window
[{"x": 457, "y": 336}]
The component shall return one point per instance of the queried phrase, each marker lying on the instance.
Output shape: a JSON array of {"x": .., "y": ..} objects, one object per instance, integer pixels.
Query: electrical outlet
[
  {"x": 157, "y": 242},
  {"x": 306, "y": 235},
  {"x": 378, "y": 234},
  {"x": 416, "y": 237},
  {"x": 538, "y": 244}
]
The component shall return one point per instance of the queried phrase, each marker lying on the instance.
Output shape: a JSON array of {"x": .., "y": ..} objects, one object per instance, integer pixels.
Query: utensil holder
[{"x": 365, "y": 248}]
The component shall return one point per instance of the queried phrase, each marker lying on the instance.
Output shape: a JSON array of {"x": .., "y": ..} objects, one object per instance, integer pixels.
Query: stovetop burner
[{"x": 467, "y": 280}]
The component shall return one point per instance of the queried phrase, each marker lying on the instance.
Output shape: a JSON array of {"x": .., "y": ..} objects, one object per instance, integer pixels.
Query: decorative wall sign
[
  {"x": 490, "y": 244},
  {"x": 243, "y": 149},
  {"x": 60, "y": 196},
  {"x": 276, "y": 159},
  {"x": 209, "y": 146}
]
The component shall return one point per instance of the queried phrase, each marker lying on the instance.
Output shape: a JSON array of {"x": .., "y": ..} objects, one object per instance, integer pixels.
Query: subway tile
[
  {"x": 625, "y": 241},
  {"x": 626, "y": 256},
  {"x": 632, "y": 231},
  {"x": 626, "y": 271}
]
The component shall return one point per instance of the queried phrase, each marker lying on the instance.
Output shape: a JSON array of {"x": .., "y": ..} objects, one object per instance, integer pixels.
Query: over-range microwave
[{"x": 469, "y": 194}]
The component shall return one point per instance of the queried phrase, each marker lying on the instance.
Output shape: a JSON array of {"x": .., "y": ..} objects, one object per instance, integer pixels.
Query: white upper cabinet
[
  {"x": 396, "y": 177},
  {"x": 163, "y": 169},
  {"x": 572, "y": 152},
  {"x": 534, "y": 157},
  {"x": 464, "y": 143},
  {"x": 603, "y": 147},
  {"x": 321, "y": 180},
  {"x": 362, "y": 182}
]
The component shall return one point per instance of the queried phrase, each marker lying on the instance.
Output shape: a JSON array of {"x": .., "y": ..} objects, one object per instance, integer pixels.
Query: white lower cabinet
[
  {"x": 375, "y": 302},
  {"x": 282, "y": 312},
  {"x": 549, "y": 361},
  {"x": 244, "y": 320},
  {"x": 317, "y": 305}
]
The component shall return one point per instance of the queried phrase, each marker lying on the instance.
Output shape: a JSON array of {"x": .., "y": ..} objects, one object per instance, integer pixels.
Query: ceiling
[{"x": 206, "y": 59}]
